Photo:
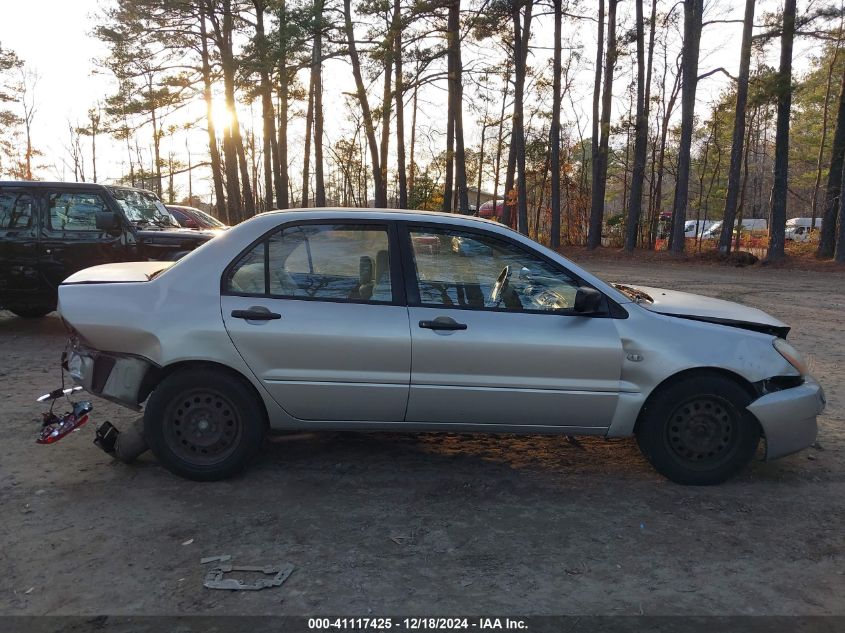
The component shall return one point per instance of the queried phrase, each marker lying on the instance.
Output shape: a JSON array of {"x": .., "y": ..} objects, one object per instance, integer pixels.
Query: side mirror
[
  {"x": 107, "y": 221},
  {"x": 588, "y": 301}
]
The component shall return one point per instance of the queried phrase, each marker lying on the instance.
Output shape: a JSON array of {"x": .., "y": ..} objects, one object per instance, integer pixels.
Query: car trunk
[{"x": 124, "y": 272}]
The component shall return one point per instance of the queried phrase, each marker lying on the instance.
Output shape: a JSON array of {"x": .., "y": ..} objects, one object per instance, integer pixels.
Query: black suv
[{"x": 50, "y": 230}]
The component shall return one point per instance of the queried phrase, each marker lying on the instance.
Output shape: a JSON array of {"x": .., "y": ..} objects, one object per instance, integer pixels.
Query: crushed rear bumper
[
  {"x": 788, "y": 417},
  {"x": 115, "y": 377}
]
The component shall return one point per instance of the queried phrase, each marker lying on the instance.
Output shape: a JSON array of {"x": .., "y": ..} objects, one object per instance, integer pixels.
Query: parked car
[
  {"x": 309, "y": 320},
  {"x": 750, "y": 226},
  {"x": 193, "y": 218},
  {"x": 694, "y": 228},
  {"x": 49, "y": 230},
  {"x": 492, "y": 212},
  {"x": 800, "y": 229}
]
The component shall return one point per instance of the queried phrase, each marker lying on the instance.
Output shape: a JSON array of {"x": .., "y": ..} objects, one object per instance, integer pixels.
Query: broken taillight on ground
[{"x": 54, "y": 427}]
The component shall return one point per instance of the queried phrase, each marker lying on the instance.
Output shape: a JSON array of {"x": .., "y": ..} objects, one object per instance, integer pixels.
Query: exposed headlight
[{"x": 790, "y": 354}]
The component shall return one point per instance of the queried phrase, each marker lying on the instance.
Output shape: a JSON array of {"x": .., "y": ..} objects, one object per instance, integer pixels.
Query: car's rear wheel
[
  {"x": 204, "y": 424},
  {"x": 32, "y": 311},
  {"x": 697, "y": 431}
]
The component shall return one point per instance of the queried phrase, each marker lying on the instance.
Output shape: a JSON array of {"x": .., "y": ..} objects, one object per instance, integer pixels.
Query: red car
[{"x": 193, "y": 218}]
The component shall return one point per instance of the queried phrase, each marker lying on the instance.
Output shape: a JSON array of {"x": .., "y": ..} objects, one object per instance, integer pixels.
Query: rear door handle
[
  {"x": 256, "y": 313},
  {"x": 443, "y": 323}
]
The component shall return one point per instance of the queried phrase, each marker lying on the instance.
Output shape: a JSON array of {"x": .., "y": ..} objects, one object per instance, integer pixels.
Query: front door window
[{"x": 470, "y": 270}]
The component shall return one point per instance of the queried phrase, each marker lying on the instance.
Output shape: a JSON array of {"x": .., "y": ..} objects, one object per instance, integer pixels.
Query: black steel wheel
[
  {"x": 204, "y": 424},
  {"x": 703, "y": 432},
  {"x": 697, "y": 430}
]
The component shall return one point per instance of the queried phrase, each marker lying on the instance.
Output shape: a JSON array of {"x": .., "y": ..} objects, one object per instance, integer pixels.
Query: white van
[
  {"x": 713, "y": 231},
  {"x": 799, "y": 229},
  {"x": 694, "y": 228},
  {"x": 750, "y": 225}
]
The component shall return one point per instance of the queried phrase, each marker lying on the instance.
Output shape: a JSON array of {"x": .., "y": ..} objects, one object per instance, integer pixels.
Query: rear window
[{"x": 16, "y": 209}]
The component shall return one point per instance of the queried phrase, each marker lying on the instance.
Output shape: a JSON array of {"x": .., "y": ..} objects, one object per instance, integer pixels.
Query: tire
[
  {"x": 204, "y": 424},
  {"x": 31, "y": 312},
  {"x": 697, "y": 431}
]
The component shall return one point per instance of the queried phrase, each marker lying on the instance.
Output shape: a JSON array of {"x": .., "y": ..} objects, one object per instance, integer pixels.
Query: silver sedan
[{"x": 370, "y": 319}]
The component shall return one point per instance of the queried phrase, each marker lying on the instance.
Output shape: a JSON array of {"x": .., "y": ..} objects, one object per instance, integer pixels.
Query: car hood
[
  {"x": 686, "y": 305},
  {"x": 123, "y": 272},
  {"x": 177, "y": 234}
]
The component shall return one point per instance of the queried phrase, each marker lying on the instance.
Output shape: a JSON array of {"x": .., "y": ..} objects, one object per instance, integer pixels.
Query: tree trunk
[
  {"x": 498, "y": 167},
  {"x": 361, "y": 91},
  {"x": 449, "y": 171},
  {"x": 554, "y": 130},
  {"x": 739, "y": 130},
  {"x": 317, "y": 79},
  {"x": 814, "y": 204},
  {"x": 386, "y": 102},
  {"x": 839, "y": 253},
  {"x": 594, "y": 140},
  {"x": 282, "y": 199},
  {"x": 640, "y": 134},
  {"x": 412, "y": 164},
  {"x": 484, "y": 127},
  {"x": 230, "y": 139},
  {"x": 306, "y": 158},
  {"x": 693, "y": 10},
  {"x": 268, "y": 113},
  {"x": 522, "y": 34},
  {"x": 600, "y": 183},
  {"x": 777, "y": 227},
  {"x": 400, "y": 104},
  {"x": 827, "y": 238},
  {"x": 456, "y": 90},
  {"x": 246, "y": 188}
]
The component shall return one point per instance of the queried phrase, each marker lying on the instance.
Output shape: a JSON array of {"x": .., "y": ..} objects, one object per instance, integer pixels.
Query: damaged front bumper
[
  {"x": 120, "y": 378},
  {"x": 788, "y": 417}
]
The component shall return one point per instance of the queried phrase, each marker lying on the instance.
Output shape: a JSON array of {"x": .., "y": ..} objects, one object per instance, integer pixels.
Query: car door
[
  {"x": 70, "y": 239},
  {"x": 516, "y": 356},
  {"x": 317, "y": 311},
  {"x": 19, "y": 278}
]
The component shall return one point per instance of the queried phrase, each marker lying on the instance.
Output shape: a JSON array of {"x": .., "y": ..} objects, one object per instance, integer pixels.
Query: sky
[{"x": 55, "y": 38}]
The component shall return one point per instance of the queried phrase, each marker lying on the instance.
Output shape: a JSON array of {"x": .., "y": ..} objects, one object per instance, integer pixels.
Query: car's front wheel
[
  {"x": 204, "y": 424},
  {"x": 697, "y": 431}
]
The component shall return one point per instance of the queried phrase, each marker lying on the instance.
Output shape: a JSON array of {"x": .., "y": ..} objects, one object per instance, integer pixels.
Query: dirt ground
[{"x": 432, "y": 524}]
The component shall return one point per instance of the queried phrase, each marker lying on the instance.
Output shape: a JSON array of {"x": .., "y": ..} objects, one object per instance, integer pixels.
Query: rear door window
[
  {"x": 75, "y": 211},
  {"x": 330, "y": 262}
]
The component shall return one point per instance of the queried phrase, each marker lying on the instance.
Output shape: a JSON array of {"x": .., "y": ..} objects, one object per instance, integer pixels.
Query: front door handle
[
  {"x": 256, "y": 313},
  {"x": 443, "y": 323}
]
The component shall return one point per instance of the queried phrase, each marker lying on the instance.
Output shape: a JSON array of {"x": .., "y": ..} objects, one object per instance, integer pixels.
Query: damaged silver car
[{"x": 357, "y": 319}]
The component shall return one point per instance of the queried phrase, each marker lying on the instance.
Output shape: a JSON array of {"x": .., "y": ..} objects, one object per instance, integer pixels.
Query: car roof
[
  {"x": 45, "y": 184},
  {"x": 365, "y": 212},
  {"x": 40, "y": 184}
]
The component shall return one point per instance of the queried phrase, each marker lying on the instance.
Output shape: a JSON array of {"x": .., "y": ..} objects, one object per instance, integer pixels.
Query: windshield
[
  {"x": 143, "y": 208},
  {"x": 209, "y": 219}
]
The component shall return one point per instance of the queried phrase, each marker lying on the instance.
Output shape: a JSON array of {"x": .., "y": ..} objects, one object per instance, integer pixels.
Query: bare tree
[
  {"x": 641, "y": 127},
  {"x": 693, "y": 10},
  {"x": 777, "y": 226},
  {"x": 739, "y": 129},
  {"x": 361, "y": 93},
  {"x": 600, "y": 182}
]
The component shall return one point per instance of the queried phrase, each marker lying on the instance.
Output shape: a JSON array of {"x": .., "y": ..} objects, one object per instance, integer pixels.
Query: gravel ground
[{"x": 432, "y": 523}]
